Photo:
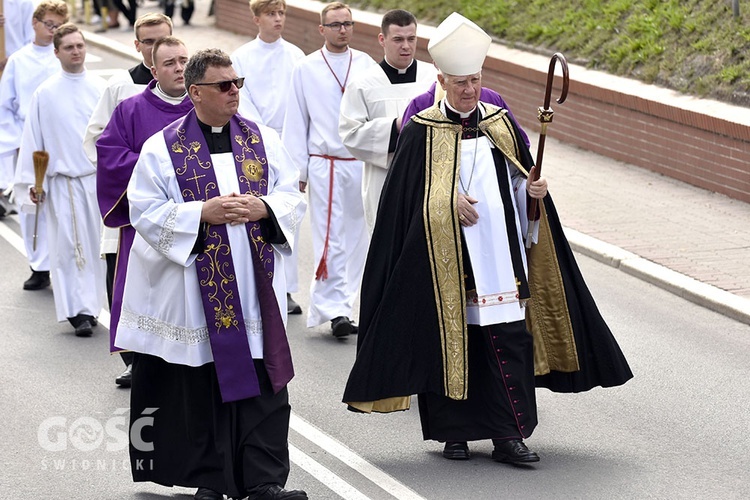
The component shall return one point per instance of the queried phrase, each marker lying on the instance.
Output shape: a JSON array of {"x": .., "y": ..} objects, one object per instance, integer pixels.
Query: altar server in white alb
[
  {"x": 267, "y": 63},
  {"x": 375, "y": 101},
  {"x": 334, "y": 176},
  {"x": 59, "y": 111},
  {"x": 25, "y": 71},
  {"x": 269, "y": 59}
]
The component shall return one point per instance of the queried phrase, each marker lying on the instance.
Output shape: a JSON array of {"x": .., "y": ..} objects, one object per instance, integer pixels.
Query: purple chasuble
[
  {"x": 216, "y": 273},
  {"x": 427, "y": 100},
  {"x": 133, "y": 121}
]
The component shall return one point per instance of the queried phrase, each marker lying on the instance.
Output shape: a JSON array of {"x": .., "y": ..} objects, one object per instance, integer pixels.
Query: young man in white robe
[
  {"x": 216, "y": 211},
  {"x": 26, "y": 69},
  {"x": 149, "y": 29},
  {"x": 56, "y": 125},
  {"x": 267, "y": 62},
  {"x": 374, "y": 103},
  {"x": 339, "y": 232}
]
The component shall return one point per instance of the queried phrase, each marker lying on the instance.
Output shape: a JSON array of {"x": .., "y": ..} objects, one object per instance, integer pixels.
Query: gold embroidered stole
[{"x": 443, "y": 235}]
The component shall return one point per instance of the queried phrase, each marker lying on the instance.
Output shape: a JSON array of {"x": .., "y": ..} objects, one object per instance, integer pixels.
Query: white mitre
[{"x": 459, "y": 46}]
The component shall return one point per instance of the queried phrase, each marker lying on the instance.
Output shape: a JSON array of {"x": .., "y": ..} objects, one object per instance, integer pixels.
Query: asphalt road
[{"x": 679, "y": 429}]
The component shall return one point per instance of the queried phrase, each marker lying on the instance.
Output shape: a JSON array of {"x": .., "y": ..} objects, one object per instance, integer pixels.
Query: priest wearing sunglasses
[{"x": 216, "y": 209}]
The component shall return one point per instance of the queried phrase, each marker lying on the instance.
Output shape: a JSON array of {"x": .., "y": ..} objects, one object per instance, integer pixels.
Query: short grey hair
[{"x": 196, "y": 67}]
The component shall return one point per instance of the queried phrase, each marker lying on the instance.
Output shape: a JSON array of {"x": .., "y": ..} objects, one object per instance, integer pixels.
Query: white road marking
[
  {"x": 325, "y": 475},
  {"x": 11, "y": 237},
  {"x": 350, "y": 458}
]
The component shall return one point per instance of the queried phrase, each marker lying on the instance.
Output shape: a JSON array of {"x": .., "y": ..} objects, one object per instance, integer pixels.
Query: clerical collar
[
  {"x": 408, "y": 75},
  {"x": 157, "y": 90},
  {"x": 469, "y": 121},
  {"x": 217, "y": 138}
]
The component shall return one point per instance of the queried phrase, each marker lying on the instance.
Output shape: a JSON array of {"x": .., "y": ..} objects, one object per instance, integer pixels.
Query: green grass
[{"x": 694, "y": 46}]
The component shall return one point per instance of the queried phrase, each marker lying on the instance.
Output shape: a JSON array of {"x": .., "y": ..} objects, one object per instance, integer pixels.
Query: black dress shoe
[
  {"x": 513, "y": 452},
  {"x": 37, "y": 281},
  {"x": 341, "y": 326},
  {"x": 84, "y": 329},
  {"x": 274, "y": 492},
  {"x": 206, "y": 494},
  {"x": 126, "y": 378},
  {"x": 456, "y": 450},
  {"x": 291, "y": 306}
]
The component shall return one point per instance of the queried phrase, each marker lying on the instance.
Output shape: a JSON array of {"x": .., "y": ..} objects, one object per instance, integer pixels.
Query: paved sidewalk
[{"x": 687, "y": 240}]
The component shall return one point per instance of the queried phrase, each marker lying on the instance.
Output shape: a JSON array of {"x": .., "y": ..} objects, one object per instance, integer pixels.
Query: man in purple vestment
[
  {"x": 134, "y": 120},
  {"x": 426, "y": 100}
]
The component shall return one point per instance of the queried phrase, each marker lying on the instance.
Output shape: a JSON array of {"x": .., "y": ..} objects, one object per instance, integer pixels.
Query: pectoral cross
[{"x": 195, "y": 178}]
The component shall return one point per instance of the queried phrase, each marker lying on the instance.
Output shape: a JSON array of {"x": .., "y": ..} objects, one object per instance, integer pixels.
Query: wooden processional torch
[
  {"x": 41, "y": 160},
  {"x": 545, "y": 115}
]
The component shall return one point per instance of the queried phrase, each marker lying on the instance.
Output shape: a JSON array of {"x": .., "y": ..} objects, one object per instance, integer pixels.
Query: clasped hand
[{"x": 233, "y": 209}]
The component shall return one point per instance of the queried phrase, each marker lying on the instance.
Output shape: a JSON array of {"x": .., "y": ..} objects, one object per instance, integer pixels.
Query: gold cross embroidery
[{"x": 195, "y": 178}]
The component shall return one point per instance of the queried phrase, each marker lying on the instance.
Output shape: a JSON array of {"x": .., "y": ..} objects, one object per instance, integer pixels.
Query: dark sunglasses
[{"x": 226, "y": 85}]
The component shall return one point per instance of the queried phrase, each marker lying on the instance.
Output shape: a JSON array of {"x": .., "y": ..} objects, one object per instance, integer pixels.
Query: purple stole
[{"x": 216, "y": 274}]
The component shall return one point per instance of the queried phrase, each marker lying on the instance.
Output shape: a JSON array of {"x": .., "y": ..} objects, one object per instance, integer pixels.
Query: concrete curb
[
  {"x": 703, "y": 294},
  {"x": 105, "y": 43}
]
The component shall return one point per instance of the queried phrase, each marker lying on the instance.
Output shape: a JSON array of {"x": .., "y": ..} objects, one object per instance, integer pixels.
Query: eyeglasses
[
  {"x": 226, "y": 85},
  {"x": 337, "y": 26},
  {"x": 50, "y": 25},
  {"x": 148, "y": 41}
]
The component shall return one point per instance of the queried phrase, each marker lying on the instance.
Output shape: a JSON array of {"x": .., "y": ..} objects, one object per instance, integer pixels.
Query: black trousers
[
  {"x": 501, "y": 401},
  {"x": 182, "y": 434},
  {"x": 186, "y": 10}
]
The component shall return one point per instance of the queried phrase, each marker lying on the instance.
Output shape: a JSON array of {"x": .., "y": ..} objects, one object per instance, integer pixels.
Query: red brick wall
[{"x": 697, "y": 148}]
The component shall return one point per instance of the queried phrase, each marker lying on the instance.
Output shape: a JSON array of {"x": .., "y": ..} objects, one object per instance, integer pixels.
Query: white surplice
[
  {"x": 162, "y": 311},
  {"x": 370, "y": 105},
  {"x": 120, "y": 86},
  {"x": 311, "y": 128},
  {"x": 59, "y": 111}
]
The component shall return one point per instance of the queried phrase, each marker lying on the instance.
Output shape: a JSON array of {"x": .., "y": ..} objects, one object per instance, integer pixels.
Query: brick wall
[{"x": 709, "y": 150}]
